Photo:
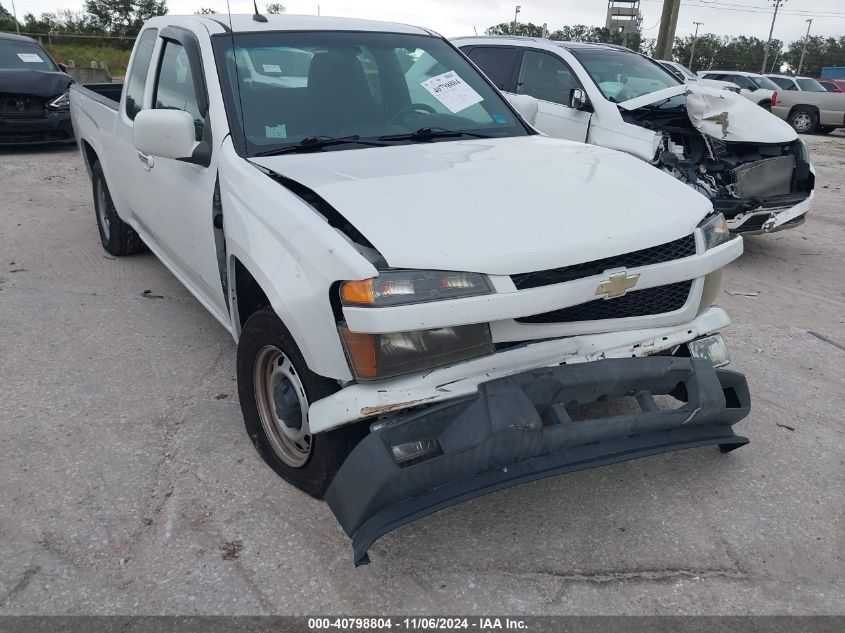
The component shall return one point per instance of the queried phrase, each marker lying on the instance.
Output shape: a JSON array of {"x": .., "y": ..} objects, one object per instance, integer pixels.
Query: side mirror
[
  {"x": 62, "y": 67},
  {"x": 526, "y": 106},
  {"x": 577, "y": 98},
  {"x": 165, "y": 133},
  {"x": 753, "y": 88}
]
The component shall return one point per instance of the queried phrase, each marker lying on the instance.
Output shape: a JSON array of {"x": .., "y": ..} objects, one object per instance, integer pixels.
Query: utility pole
[
  {"x": 668, "y": 25},
  {"x": 15, "y": 16},
  {"x": 804, "y": 49},
  {"x": 515, "y": 15},
  {"x": 694, "y": 42},
  {"x": 771, "y": 30}
]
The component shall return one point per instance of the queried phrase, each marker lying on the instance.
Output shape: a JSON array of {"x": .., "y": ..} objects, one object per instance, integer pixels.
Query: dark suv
[{"x": 34, "y": 94}]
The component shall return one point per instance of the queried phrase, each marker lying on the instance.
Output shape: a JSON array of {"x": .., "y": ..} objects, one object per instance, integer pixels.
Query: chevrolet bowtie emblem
[{"x": 617, "y": 285}]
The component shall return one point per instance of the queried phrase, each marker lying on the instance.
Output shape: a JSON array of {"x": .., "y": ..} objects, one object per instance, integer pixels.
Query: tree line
[
  {"x": 721, "y": 52},
  {"x": 116, "y": 18}
]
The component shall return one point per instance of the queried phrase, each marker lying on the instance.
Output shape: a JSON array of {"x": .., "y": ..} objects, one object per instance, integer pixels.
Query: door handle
[{"x": 146, "y": 160}]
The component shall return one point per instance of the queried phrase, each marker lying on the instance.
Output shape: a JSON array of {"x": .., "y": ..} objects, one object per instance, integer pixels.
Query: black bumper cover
[
  {"x": 517, "y": 429},
  {"x": 54, "y": 127}
]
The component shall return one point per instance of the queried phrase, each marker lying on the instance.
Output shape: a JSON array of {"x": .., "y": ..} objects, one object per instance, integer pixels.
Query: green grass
[{"x": 83, "y": 55}]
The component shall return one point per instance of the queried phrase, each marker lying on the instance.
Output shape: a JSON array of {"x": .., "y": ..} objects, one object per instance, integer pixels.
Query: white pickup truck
[{"x": 423, "y": 295}]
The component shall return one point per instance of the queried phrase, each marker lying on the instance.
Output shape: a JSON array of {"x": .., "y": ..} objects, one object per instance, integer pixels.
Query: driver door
[{"x": 551, "y": 81}]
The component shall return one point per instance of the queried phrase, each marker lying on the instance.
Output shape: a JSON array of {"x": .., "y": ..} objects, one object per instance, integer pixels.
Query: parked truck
[
  {"x": 423, "y": 295},
  {"x": 808, "y": 106}
]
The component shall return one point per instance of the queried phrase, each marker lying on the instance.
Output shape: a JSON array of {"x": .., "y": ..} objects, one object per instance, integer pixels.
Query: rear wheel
[
  {"x": 117, "y": 237},
  {"x": 276, "y": 389},
  {"x": 804, "y": 120}
]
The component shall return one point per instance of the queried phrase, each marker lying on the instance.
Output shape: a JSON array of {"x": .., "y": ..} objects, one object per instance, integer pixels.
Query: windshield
[
  {"x": 23, "y": 55},
  {"x": 810, "y": 85},
  {"x": 622, "y": 75},
  {"x": 292, "y": 87},
  {"x": 763, "y": 82}
]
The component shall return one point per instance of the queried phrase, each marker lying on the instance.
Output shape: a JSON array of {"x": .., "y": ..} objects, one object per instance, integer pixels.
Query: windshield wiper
[
  {"x": 316, "y": 143},
  {"x": 429, "y": 133}
]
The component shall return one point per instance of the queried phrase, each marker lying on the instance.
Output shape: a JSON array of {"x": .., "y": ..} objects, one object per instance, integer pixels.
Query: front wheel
[
  {"x": 276, "y": 389},
  {"x": 804, "y": 121}
]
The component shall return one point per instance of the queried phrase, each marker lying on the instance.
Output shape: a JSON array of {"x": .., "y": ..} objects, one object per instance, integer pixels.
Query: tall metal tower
[{"x": 624, "y": 17}]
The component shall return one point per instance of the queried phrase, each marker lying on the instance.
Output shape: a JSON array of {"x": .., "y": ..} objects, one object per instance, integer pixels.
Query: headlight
[
  {"x": 374, "y": 356},
  {"x": 399, "y": 287},
  {"x": 62, "y": 102},
  {"x": 715, "y": 230}
]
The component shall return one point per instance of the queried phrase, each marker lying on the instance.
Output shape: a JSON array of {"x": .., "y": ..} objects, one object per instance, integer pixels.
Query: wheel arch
[
  {"x": 317, "y": 338},
  {"x": 802, "y": 107},
  {"x": 89, "y": 155}
]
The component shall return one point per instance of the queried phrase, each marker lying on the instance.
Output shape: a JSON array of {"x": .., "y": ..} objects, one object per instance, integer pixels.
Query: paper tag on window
[
  {"x": 272, "y": 68},
  {"x": 31, "y": 58},
  {"x": 452, "y": 91},
  {"x": 276, "y": 131}
]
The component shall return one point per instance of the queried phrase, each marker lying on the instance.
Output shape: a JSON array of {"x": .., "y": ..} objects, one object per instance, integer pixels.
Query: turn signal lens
[
  {"x": 400, "y": 287},
  {"x": 358, "y": 292},
  {"x": 715, "y": 229}
]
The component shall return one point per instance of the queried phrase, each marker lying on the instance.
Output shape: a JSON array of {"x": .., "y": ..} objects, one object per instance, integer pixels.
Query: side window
[
  {"x": 544, "y": 76},
  {"x": 786, "y": 84},
  {"x": 744, "y": 82},
  {"x": 496, "y": 62},
  {"x": 137, "y": 78},
  {"x": 175, "y": 89}
]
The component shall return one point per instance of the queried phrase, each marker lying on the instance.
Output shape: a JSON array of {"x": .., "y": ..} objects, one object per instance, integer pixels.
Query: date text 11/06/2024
[{"x": 417, "y": 623}]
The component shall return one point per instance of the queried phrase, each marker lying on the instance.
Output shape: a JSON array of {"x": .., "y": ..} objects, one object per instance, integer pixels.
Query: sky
[{"x": 459, "y": 17}]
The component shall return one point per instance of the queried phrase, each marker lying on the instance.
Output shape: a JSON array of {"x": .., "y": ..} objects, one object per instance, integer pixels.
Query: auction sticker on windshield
[
  {"x": 31, "y": 58},
  {"x": 452, "y": 91}
]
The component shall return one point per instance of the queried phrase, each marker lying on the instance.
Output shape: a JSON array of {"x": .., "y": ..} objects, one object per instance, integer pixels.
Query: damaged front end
[
  {"x": 526, "y": 427},
  {"x": 751, "y": 165}
]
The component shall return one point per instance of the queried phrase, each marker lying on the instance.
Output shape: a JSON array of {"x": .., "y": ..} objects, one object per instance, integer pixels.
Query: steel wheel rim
[
  {"x": 105, "y": 227},
  {"x": 802, "y": 122},
  {"x": 282, "y": 406}
]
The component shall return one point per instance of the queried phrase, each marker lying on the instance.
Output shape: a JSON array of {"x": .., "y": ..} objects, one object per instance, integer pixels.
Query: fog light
[
  {"x": 413, "y": 452},
  {"x": 712, "y": 348}
]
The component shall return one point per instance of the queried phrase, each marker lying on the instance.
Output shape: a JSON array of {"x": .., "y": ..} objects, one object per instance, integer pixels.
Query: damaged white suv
[
  {"x": 750, "y": 164},
  {"x": 424, "y": 290}
]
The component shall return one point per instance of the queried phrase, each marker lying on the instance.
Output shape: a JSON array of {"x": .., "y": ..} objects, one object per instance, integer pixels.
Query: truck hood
[
  {"x": 722, "y": 114},
  {"x": 498, "y": 206},
  {"x": 36, "y": 83}
]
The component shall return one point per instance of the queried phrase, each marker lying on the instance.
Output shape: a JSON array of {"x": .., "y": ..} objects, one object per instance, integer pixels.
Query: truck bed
[{"x": 107, "y": 94}]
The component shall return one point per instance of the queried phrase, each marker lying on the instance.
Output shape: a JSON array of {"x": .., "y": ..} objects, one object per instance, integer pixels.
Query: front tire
[
  {"x": 276, "y": 389},
  {"x": 804, "y": 120},
  {"x": 117, "y": 237}
]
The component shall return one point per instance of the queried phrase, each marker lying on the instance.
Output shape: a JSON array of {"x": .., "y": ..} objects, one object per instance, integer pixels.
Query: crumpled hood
[
  {"x": 498, "y": 206},
  {"x": 36, "y": 83},
  {"x": 722, "y": 114}
]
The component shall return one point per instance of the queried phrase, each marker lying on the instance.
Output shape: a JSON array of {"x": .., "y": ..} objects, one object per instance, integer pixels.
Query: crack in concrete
[
  {"x": 657, "y": 575},
  {"x": 21, "y": 584}
]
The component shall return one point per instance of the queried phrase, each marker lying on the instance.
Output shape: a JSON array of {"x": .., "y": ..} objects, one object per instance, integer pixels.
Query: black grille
[
  {"x": 678, "y": 249},
  {"x": 638, "y": 303},
  {"x": 21, "y": 106}
]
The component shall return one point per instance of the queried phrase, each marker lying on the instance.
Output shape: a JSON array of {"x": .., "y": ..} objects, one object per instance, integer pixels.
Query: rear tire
[
  {"x": 276, "y": 389},
  {"x": 117, "y": 237},
  {"x": 804, "y": 120}
]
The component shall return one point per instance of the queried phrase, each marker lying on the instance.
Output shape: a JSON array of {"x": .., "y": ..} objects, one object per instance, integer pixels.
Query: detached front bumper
[
  {"x": 771, "y": 219},
  {"x": 520, "y": 428}
]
